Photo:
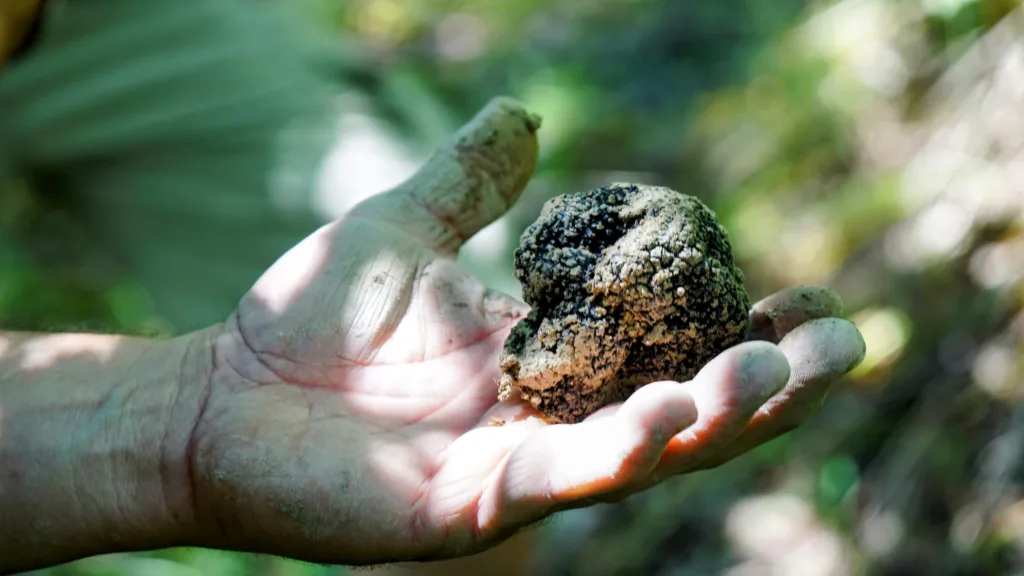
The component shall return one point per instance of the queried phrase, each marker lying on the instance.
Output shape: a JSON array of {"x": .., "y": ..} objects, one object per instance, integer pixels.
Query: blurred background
[{"x": 873, "y": 146}]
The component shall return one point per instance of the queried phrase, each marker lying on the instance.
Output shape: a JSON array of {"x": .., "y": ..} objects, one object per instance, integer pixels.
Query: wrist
[
  {"x": 178, "y": 402},
  {"x": 94, "y": 457}
]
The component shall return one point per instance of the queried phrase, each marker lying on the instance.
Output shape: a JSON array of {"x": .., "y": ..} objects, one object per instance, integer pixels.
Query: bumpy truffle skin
[{"x": 628, "y": 285}]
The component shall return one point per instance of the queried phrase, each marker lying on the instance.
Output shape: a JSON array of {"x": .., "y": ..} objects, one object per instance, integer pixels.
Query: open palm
[{"x": 352, "y": 414}]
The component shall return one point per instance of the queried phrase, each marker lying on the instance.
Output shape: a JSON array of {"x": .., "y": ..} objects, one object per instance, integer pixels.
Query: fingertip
[
  {"x": 727, "y": 393},
  {"x": 472, "y": 179},
  {"x": 819, "y": 352},
  {"x": 510, "y": 105},
  {"x": 858, "y": 345},
  {"x": 666, "y": 404},
  {"x": 646, "y": 423},
  {"x": 825, "y": 348},
  {"x": 776, "y": 315},
  {"x": 756, "y": 371},
  {"x": 611, "y": 448},
  {"x": 766, "y": 367}
]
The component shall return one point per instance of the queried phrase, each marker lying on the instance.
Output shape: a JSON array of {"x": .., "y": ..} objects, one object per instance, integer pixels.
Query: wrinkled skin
[{"x": 352, "y": 413}]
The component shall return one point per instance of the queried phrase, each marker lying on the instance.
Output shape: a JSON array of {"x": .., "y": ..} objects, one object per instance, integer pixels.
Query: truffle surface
[{"x": 627, "y": 285}]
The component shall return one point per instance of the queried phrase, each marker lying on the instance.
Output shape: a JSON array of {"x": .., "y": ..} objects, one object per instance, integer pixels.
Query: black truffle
[{"x": 628, "y": 285}]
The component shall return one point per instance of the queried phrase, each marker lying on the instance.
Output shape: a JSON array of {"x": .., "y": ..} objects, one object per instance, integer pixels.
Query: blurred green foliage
[{"x": 864, "y": 144}]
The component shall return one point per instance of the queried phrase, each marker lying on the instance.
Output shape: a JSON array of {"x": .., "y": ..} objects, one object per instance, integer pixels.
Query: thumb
[{"x": 470, "y": 181}]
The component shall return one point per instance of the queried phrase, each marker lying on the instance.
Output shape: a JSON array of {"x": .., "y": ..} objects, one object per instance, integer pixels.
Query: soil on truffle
[{"x": 628, "y": 285}]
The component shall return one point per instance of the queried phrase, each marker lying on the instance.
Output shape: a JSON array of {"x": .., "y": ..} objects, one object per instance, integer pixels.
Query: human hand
[{"x": 351, "y": 413}]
